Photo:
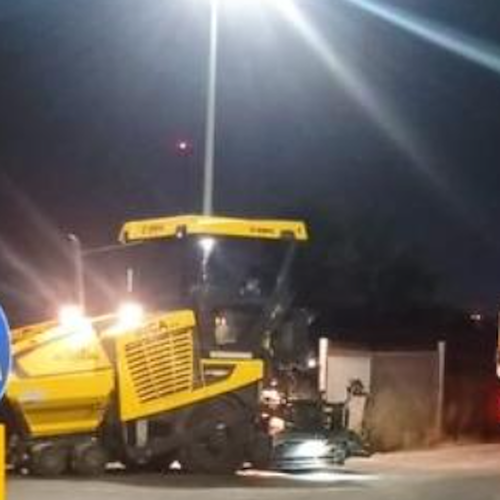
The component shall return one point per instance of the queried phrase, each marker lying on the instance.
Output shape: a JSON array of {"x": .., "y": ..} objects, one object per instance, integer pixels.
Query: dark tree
[{"x": 356, "y": 262}]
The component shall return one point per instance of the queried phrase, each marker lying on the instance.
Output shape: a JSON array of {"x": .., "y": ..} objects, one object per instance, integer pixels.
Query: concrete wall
[
  {"x": 404, "y": 397},
  {"x": 405, "y": 390}
]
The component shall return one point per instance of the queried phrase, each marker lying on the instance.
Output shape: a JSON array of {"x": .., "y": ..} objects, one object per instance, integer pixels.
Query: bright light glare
[
  {"x": 83, "y": 335},
  {"x": 312, "y": 363},
  {"x": 313, "y": 448},
  {"x": 207, "y": 244},
  {"x": 130, "y": 315},
  {"x": 71, "y": 316},
  {"x": 332, "y": 477},
  {"x": 79, "y": 327},
  {"x": 241, "y": 2},
  {"x": 317, "y": 476},
  {"x": 235, "y": 11}
]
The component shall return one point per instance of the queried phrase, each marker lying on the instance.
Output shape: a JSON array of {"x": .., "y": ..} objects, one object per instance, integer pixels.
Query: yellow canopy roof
[{"x": 167, "y": 227}]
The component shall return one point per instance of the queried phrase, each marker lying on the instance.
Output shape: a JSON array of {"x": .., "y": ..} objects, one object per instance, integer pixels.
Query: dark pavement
[{"x": 468, "y": 473}]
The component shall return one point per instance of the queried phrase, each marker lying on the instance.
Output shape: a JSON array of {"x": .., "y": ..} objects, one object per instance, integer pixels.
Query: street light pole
[
  {"x": 77, "y": 257},
  {"x": 208, "y": 164}
]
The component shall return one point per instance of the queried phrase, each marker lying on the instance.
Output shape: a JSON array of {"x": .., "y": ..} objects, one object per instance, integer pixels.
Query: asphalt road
[{"x": 447, "y": 476}]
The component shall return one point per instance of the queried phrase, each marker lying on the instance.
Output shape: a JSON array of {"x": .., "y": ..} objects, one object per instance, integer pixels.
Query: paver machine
[{"x": 177, "y": 372}]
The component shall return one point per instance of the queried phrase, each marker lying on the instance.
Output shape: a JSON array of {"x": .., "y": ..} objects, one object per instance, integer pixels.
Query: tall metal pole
[
  {"x": 441, "y": 352},
  {"x": 77, "y": 255},
  {"x": 208, "y": 164}
]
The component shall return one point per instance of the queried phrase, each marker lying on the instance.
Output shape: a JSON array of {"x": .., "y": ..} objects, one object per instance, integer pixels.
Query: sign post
[{"x": 5, "y": 361}]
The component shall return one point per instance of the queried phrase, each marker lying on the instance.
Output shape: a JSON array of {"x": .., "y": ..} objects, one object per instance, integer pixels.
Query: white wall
[{"x": 342, "y": 367}]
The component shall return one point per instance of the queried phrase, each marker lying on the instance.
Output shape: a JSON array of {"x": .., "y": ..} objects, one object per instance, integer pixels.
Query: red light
[{"x": 183, "y": 147}]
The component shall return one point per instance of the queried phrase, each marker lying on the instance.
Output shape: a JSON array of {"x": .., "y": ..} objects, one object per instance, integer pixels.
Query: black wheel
[
  {"x": 88, "y": 459},
  {"x": 339, "y": 456},
  {"x": 157, "y": 464},
  {"x": 260, "y": 450},
  {"x": 48, "y": 460},
  {"x": 218, "y": 435}
]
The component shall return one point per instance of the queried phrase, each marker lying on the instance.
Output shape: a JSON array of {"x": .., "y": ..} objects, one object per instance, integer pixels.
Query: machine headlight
[
  {"x": 71, "y": 316},
  {"x": 79, "y": 327},
  {"x": 313, "y": 448},
  {"x": 130, "y": 316}
]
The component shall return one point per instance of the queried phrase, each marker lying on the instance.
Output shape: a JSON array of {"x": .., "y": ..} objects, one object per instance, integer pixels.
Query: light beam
[
  {"x": 484, "y": 54},
  {"x": 378, "y": 109}
]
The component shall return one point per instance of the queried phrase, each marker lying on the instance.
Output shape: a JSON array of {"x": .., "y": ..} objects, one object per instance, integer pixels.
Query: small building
[
  {"x": 405, "y": 390},
  {"x": 428, "y": 379}
]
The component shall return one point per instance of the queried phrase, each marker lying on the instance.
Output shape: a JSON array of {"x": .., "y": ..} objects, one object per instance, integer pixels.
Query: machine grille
[{"x": 160, "y": 362}]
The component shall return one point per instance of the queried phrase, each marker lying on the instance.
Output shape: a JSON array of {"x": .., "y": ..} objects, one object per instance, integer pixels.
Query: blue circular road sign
[{"x": 5, "y": 351}]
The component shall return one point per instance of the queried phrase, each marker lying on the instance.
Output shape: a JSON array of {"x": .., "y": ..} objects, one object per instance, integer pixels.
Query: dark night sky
[{"x": 94, "y": 93}]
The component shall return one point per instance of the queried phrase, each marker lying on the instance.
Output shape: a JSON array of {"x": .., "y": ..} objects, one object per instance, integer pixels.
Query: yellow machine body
[
  {"x": 157, "y": 370},
  {"x": 60, "y": 384},
  {"x": 63, "y": 383},
  {"x": 67, "y": 380}
]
